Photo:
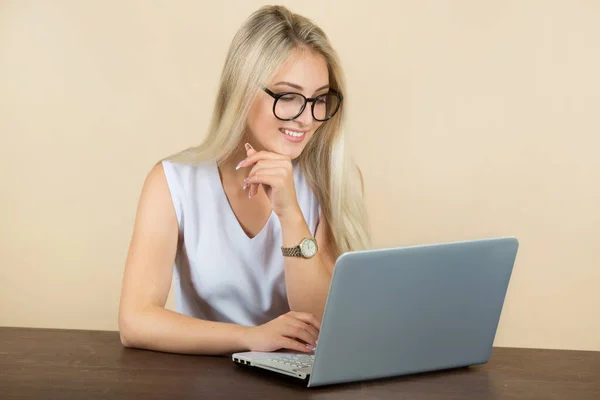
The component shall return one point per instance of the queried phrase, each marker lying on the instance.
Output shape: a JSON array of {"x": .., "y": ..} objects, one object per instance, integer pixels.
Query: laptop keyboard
[{"x": 294, "y": 360}]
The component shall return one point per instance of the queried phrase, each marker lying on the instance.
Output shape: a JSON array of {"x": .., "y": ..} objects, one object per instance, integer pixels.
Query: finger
[
  {"x": 261, "y": 165},
  {"x": 266, "y": 178},
  {"x": 300, "y": 334},
  {"x": 272, "y": 167},
  {"x": 249, "y": 187},
  {"x": 253, "y": 189},
  {"x": 292, "y": 319},
  {"x": 268, "y": 164},
  {"x": 276, "y": 171},
  {"x": 303, "y": 331},
  {"x": 307, "y": 317},
  {"x": 314, "y": 332},
  {"x": 253, "y": 158},
  {"x": 287, "y": 343},
  {"x": 249, "y": 150},
  {"x": 262, "y": 155}
]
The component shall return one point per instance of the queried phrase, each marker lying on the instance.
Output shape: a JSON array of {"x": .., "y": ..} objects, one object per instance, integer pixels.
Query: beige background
[{"x": 469, "y": 119}]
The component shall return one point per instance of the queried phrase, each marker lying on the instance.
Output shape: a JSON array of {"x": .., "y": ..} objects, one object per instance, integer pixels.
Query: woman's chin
[
  {"x": 292, "y": 155},
  {"x": 286, "y": 151}
]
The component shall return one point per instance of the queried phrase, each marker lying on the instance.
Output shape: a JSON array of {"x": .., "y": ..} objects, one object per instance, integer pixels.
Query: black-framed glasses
[{"x": 289, "y": 105}]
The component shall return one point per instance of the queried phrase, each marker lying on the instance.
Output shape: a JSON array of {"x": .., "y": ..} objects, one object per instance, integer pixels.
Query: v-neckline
[{"x": 231, "y": 213}]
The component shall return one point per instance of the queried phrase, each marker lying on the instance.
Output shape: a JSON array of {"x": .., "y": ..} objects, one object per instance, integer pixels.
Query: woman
[{"x": 254, "y": 218}]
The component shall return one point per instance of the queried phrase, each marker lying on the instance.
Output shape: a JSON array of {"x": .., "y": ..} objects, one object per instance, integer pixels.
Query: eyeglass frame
[{"x": 307, "y": 100}]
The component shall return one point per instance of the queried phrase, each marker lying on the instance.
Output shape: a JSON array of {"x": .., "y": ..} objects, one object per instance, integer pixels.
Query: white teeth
[{"x": 292, "y": 133}]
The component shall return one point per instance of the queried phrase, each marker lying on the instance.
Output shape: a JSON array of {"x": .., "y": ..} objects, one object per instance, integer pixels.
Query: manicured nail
[
  {"x": 310, "y": 347},
  {"x": 245, "y": 186},
  {"x": 240, "y": 165}
]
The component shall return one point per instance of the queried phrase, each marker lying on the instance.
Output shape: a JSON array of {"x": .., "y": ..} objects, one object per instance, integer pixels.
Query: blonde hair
[{"x": 265, "y": 40}]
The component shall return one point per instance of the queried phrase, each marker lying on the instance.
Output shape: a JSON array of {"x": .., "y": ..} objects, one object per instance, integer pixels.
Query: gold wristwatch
[{"x": 306, "y": 249}]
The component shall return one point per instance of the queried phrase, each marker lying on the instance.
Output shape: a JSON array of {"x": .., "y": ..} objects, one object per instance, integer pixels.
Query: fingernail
[
  {"x": 240, "y": 165},
  {"x": 247, "y": 146},
  {"x": 245, "y": 186},
  {"x": 310, "y": 347}
]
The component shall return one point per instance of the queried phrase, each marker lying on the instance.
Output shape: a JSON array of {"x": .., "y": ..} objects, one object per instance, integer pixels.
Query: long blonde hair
[{"x": 265, "y": 40}]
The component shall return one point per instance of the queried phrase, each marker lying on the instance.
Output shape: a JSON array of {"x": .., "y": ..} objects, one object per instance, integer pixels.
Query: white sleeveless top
[{"x": 221, "y": 274}]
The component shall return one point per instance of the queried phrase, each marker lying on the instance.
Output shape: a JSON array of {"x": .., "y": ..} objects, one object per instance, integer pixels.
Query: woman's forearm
[
  {"x": 307, "y": 280},
  {"x": 157, "y": 328}
]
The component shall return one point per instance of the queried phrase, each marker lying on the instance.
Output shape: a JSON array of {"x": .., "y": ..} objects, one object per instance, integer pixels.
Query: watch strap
[{"x": 291, "y": 251}]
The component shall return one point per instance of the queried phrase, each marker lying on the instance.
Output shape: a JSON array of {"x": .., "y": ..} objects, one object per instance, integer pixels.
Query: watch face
[{"x": 308, "y": 248}]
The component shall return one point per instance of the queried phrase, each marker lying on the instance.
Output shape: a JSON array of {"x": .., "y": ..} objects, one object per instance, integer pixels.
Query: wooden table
[{"x": 71, "y": 364}]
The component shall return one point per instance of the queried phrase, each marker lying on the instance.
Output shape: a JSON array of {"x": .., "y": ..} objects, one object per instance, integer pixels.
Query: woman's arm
[
  {"x": 143, "y": 320},
  {"x": 145, "y": 323},
  {"x": 307, "y": 280}
]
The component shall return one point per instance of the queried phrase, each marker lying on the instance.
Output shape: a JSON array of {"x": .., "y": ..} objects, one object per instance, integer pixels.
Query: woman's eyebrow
[{"x": 298, "y": 86}]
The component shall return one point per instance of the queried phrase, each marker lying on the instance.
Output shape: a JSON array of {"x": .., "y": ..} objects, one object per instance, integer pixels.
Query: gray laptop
[{"x": 404, "y": 310}]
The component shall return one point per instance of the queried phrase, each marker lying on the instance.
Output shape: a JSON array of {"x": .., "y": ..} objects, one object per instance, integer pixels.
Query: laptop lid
[{"x": 413, "y": 309}]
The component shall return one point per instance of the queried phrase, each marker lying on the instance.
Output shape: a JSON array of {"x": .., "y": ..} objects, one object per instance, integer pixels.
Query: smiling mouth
[{"x": 292, "y": 133}]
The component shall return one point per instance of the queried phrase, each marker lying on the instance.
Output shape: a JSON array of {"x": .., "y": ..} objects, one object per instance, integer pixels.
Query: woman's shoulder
[
  {"x": 182, "y": 171},
  {"x": 182, "y": 180}
]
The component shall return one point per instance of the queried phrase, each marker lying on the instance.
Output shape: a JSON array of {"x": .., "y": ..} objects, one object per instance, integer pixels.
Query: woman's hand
[
  {"x": 296, "y": 331},
  {"x": 276, "y": 174}
]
